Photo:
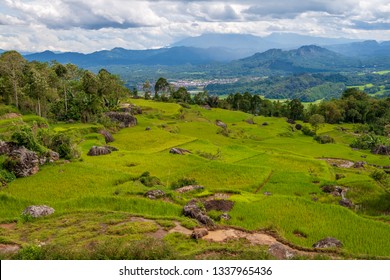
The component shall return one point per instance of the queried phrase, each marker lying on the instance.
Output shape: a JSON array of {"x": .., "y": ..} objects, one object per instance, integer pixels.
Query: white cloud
[{"x": 84, "y": 25}]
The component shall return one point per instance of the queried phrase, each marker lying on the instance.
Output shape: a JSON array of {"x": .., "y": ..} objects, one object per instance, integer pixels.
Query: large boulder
[
  {"x": 381, "y": 150},
  {"x": 107, "y": 135},
  {"x": 22, "y": 162},
  {"x": 219, "y": 205},
  {"x": 191, "y": 209},
  {"x": 101, "y": 150},
  {"x": 37, "y": 211},
  {"x": 328, "y": 242},
  {"x": 124, "y": 119},
  {"x": 7, "y": 147}
]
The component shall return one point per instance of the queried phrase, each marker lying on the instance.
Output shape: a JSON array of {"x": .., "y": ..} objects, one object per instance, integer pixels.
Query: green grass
[{"x": 247, "y": 161}]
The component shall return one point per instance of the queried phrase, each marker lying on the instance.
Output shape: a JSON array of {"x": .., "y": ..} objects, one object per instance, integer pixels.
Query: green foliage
[
  {"x": 149, "y": 181},
  {"x": 25, "y": 136},
  {"x": 324, "y": 139},
  {"x": 378, "y": 175},
  {"x": 65, "y": 144},
  {"x": 307, "y": 131},
  {"x": 182, "y": 182},
  {"x": 365, "y": 142},
  {"x": 6, "y": 176}
]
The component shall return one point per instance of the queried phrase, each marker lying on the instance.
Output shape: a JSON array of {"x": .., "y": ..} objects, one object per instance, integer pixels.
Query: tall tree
[{"x": 11, "y": 66}]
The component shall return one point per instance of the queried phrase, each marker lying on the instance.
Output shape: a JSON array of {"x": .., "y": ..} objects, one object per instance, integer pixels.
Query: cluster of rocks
[
  {"x": 192, "y": 210},
  {"x": 132, "y": 109},
  {"x": 155, "y": 194},
  {"x": 101, "y": 150},
  {"x": 23, "y": 162},
  {"x": 339, "y": 191},
  {"x": 381, "y": 150},
  {"x": 123, "y": 118}
]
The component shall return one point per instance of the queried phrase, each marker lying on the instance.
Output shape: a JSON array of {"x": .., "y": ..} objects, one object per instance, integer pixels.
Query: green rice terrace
[{"x": 262, "y": 189}]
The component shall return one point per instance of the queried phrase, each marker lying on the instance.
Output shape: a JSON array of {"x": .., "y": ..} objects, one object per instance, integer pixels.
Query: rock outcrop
[
  {"x": 124, "y": 119},
  {"x": 154, "y": 194},
  {"x": 221, "y": 124},
  {"x": 22, "y": 162},
  {"x": 199, "y": 233},
  {"x": 191, "y": 209},
  {"x": 37, "y": 211},
  {"x": 101, "y": 150}
]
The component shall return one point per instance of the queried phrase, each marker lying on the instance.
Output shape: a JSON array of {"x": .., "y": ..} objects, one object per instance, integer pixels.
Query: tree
[
  {"x": 316, "y": 121},
  {"x": 295, "y": 109},
  {"x": 11, "y": 66},
  {"x": 161, "y": 85},
  {"x": 147, "y": 89}
]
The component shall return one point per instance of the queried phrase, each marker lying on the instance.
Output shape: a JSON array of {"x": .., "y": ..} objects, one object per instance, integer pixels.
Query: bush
[
  {"x": 378, "y": 175},
  {"x": 182, "y": 182},
  {"x": 307, "y": 131},
  {"x": 24, "y": 136},
  {"x": 149, "y": 181},
  {"x": 65, "y": 144},
  {"x": 6, "y": 177},
  {"x": 324, "y": 139},
  {"x": 365, "y": 142}
]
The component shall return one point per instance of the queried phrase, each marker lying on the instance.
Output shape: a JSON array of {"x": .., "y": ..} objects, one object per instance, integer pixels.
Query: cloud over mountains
[{"x": 84, "y": 25}]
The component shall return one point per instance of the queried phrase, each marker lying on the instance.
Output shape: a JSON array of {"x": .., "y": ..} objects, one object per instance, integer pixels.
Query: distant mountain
[
  {"x": 365, "y": 49},
  {"x": 245, "y": 45},
  {"x": 120, "y": 56},
  {"x": 304, "y": 59}
]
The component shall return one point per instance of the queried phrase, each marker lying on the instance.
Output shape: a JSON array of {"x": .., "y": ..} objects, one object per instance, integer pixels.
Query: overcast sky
[{"x": 91, "y": 25}]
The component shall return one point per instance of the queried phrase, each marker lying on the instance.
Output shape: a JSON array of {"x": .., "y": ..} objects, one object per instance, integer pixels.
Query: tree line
[
  {"x": 56, "y": 91},
  {"x": 354, "y": 106}
]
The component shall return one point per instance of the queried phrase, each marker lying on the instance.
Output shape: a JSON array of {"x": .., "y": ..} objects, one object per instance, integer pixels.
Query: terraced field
[{"x": 271, "y": 171}]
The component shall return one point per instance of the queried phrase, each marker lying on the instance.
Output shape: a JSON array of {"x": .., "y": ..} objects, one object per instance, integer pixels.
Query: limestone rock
[
  {"x": 328, "y": 242},
  {"x": 359, "y": 164},
  {"x": 281, "y": 251},
  {"x": 225, "y": 216},
  {"x": 124, "y": 119},
  {"x": 107, "y": 135},
  {"x": 101, "y": 150},
  {"x": 179, "y": 151},
  {"x": 22, "y": 162},
  {"x": 154, "y": 194},
  {"x": 191, "y": 209},
  {"x": 37, "y": 211}
]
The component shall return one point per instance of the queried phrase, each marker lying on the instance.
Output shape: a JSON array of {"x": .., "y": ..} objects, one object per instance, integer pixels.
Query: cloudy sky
[{"x": 91, "y": 25}]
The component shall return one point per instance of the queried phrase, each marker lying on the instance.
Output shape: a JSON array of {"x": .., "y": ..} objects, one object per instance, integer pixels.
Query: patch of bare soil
[
  {"x": 10, "y": 226},
  {"x": 219, "y": 205},
  {"x": 180, "y": 229},
  {"x": 337, "y": 162},
  {"x": 9, "y": 248},
  {"x": 159, "y": 234}
]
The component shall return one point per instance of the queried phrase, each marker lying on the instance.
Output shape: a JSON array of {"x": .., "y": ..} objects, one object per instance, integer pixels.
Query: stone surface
[
  {"x": 179, "y": 151},
  {"x": 191, "y": 209},
  {"x": 281, "y": 251},
  {"x": 225, "y": 216},
  {"x": 154, "y": 194},
  {"x": 219, "y": 205},
  {"x": 37, "y": 211},
  {"x": 328, "y": 242},
  {"x": 359, "y": 164},
  {"x": 101, "y": 150},
  {"x": 107, "y": 135},
  {"x": 124, "y": 119},
  {"x": 22, "y": 162}
]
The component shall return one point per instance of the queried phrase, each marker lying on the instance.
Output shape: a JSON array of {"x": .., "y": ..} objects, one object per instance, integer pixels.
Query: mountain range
[{"x": 276, "y": 52}]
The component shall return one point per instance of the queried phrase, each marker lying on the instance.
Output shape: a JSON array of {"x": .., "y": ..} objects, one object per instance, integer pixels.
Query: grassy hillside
[{"x": 95, "y": 197}]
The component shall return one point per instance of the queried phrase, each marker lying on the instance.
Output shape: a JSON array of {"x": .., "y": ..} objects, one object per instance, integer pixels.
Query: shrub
[
  {"x": 65, "y": 144},
  {"x": 378, "y": 175},
  {"x": 365, "y": 142},
  {"x": 6, "y": 176},
  {"x": 307, "y": 131},
  {"x": 24, "y": 136},
  {"x": 324, "y": 139},
  {"x": 149, "y": 181},
  {"x": 182, "y": 182}
]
